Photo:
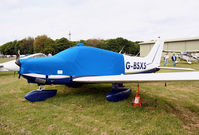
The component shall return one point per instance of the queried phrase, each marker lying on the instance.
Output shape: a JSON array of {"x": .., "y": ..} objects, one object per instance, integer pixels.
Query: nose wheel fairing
[{"x": 40, "y": 95}]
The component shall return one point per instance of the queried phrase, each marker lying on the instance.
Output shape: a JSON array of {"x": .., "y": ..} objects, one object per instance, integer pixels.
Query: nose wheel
[{"x": 40, "y": 94}]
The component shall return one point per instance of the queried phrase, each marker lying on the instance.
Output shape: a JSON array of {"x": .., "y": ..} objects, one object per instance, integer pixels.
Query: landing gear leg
[{"x": 41, "y": 88}]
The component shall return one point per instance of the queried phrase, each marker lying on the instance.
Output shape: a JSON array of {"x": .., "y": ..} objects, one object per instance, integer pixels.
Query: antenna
[
  {"x": 121, "y": 49},
  {"x": 69, "y": 34}
]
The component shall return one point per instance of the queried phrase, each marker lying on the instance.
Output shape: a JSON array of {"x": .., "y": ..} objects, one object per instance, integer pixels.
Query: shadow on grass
[
  {"x": 86, "y": 94},
  {"x": 97, "y": 93},
  {"x": 87, "y": 89}
]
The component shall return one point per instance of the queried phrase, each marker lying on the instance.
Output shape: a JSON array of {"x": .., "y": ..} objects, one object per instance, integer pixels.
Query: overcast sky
[{"x": 131, "y": 19}]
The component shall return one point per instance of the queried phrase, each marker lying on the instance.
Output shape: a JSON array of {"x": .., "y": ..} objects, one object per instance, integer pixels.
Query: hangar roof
[{"x": 171, "y": 40}]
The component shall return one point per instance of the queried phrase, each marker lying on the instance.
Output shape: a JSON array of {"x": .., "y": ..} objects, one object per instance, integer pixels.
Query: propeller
[
  {"x": 17, "y": 61},
  {"x": 17, "y": 58}
]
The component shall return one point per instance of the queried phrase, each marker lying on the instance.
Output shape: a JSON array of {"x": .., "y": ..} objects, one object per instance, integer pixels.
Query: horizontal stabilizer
[
  {"x": 174, "y": 68},
  {"x": 176, "y": 51},
  {"x": 146, "y": 77}
]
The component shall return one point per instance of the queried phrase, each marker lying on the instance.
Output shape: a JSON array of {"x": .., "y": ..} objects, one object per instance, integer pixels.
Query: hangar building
[{"x": 184, "y": 44}]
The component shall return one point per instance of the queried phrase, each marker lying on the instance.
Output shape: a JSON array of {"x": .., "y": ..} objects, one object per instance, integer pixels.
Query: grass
[{"x": 165, "y": 110}]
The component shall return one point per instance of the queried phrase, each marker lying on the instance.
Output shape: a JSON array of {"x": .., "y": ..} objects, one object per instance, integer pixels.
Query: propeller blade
[
  {"x": 18, "y": 62},
  {"x": 17, "y": 58},
  {"x": 18, "y": 55}
]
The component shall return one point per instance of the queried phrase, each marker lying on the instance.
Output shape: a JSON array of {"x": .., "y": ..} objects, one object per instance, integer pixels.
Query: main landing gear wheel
[
  {"x": 118, "y": 93},
  {"x": 40, "y": 94}
]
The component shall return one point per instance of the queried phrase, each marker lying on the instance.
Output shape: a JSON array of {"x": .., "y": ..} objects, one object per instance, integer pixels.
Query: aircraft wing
[
  {"x": 2, "y": 68},
  {"x": 172, "y": 51},
  {"x": 192, "y": 51},
  {"x": 144, "y": 77}
]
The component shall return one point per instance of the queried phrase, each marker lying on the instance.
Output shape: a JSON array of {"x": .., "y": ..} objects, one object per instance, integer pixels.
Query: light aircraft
[
  {"x": 83, "y": 65},
  {"x": 11, "y": 66},
  {"x": 188, "y": 56}
]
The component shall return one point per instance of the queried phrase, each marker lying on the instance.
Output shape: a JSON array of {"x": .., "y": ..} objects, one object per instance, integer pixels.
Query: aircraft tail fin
[{"x": 154, "y": 56}]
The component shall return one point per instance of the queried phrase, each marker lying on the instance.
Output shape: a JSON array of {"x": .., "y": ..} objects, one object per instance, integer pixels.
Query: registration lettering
[{"x": 136, "y": 65}]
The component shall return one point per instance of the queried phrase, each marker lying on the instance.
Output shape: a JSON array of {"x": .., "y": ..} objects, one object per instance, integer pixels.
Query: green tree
[
  {"x": 93, "y": 42},
  {"x": 26, "y": 45},
  {"x": 49, "y": 46},
  {"x": 39, "y": 42},
  {"x": 62, "y": 44},
  {"x": 118, "y": 44},
  {"x": 17, "y": 47},
  {"x": 2, "y": 49},
  {"x": 134, "y": 48},
  {"x": 9, "y": 48},
  {"x": 46, "y": 45}
]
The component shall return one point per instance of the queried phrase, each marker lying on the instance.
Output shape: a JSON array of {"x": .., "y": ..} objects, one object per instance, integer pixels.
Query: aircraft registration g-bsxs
[{"x": 82, "y": 64}]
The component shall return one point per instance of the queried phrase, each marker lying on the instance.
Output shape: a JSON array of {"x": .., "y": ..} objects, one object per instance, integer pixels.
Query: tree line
[{"x": 46, "y": 45}]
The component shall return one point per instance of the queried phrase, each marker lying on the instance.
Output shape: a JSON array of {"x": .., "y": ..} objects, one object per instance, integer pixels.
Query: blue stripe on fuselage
[
  {"x": 48, "y": 81},
  {"x": 146, "y": 71}
]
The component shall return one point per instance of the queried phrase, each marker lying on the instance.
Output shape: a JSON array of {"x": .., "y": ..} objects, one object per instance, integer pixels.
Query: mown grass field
[{"x": 165, "y": 110}]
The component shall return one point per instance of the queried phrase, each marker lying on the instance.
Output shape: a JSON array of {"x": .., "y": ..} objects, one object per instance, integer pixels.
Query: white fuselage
[{"x": 137, "y": 64}]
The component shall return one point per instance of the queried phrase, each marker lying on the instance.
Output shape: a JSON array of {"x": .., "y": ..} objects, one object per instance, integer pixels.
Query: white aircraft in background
[
  {"x": 12, "y": 66},
  {"x": 83, "y": 65},
  {"x": 189, "y": 56}
]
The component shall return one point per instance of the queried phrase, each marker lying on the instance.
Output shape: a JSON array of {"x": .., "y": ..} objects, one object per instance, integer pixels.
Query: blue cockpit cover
[{"x": 76, "y": 61}]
